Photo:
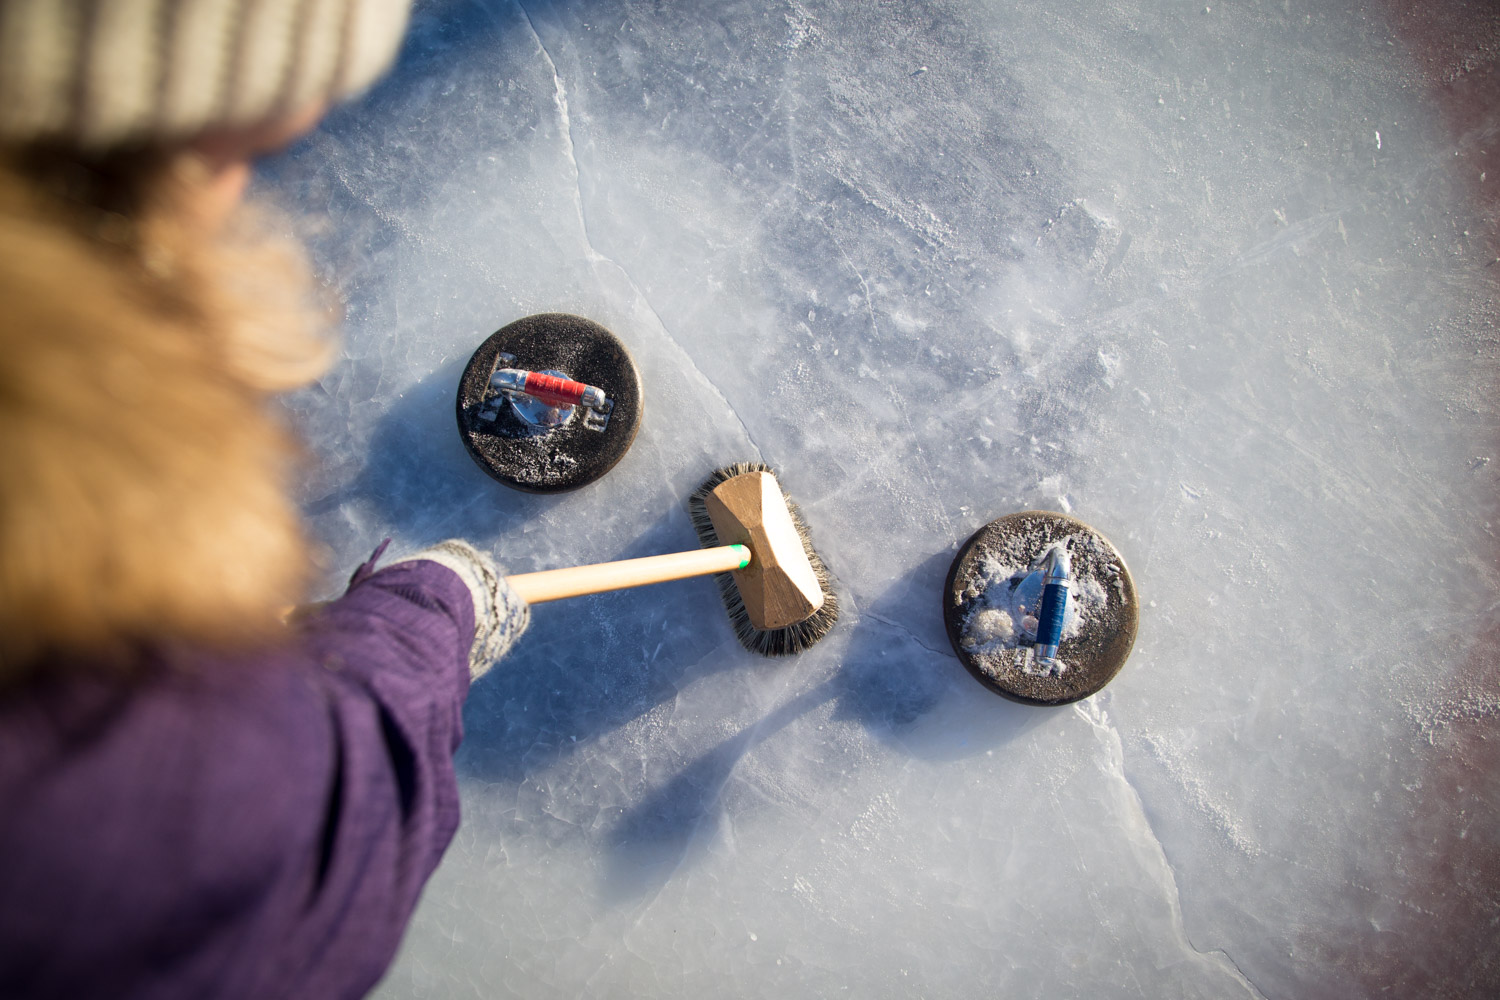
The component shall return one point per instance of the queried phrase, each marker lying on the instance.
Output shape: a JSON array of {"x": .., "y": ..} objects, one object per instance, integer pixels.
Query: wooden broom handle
[{"x": 575, "y": 581}]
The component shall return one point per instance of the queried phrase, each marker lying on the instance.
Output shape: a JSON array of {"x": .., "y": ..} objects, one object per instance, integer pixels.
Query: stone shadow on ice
[{"x": 418, "y": 483}]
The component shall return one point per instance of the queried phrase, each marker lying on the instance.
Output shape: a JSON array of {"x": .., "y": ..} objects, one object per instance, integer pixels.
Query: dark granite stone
[
  {"x": 1093, "y": 657},
  {"x": 564, "y": 458}
]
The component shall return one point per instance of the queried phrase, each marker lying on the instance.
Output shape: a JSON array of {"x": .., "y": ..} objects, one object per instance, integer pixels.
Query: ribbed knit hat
[{"x": 97, "y": 74}]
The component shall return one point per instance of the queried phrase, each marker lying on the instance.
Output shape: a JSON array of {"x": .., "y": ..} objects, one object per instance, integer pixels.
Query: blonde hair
[{"x": 143, "y": 485}]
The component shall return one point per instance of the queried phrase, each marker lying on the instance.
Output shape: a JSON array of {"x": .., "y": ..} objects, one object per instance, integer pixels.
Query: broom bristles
[{"x": 775, "y": 641}]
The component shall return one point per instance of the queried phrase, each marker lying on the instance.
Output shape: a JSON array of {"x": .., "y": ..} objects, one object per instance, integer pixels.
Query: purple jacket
[{"x": 237, "y": 828}]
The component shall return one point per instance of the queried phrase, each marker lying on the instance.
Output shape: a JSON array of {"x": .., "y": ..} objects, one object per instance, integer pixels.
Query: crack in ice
[
  {"x": 1094, "y": 714},
  {"x": 902, "y": 628},
  {"x": 714, "y": 386},
  {"x": 595, "y": 257},
  {"x": 565, "y": 133}
]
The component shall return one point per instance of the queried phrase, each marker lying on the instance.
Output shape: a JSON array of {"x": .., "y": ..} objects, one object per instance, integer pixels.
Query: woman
[{"x": 196, "y": 798}]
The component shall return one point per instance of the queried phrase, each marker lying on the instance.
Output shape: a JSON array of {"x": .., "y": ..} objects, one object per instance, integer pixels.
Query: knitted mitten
[{"x": 500, "y": 616}]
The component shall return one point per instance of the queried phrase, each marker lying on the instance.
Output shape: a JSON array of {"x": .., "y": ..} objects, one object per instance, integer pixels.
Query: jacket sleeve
[
  {"x": 396, "y": 654},
  {"x": 246, "y": 825}
]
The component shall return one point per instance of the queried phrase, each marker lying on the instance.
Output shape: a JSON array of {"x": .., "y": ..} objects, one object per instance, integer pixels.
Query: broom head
[{"x": 783, "y": 601}]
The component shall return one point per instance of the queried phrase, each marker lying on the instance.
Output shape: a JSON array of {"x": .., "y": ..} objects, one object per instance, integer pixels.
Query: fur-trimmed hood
[{"x": 142, "y": 483}]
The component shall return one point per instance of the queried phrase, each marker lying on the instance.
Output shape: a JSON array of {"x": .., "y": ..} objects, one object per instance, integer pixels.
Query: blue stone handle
[{"x": 1049, "y": 624}]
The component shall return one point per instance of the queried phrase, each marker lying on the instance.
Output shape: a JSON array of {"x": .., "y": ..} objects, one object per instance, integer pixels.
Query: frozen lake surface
[{"x": 1219, "y": 278}]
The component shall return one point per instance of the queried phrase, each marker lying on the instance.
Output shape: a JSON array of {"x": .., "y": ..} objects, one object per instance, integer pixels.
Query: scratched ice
[{"x": 1214, "y": 277}]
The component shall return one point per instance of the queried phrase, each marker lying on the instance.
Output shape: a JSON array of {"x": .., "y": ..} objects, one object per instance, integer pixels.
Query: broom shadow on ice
[{"x": 899, "y": 683}]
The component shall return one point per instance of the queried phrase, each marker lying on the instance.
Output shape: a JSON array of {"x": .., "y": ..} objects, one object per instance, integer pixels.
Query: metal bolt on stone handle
[{"x": 549, "y": 389}]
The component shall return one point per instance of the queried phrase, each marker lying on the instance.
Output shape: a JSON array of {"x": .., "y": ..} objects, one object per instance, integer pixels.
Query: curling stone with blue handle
[{"x": 1040, "y": 608}]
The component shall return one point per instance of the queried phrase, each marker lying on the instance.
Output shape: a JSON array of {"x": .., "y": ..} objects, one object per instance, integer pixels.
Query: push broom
[{"x": 775, "y": 588}]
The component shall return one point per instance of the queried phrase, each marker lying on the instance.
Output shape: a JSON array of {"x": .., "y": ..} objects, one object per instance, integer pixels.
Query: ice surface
[{"x": 1220, "y": 279}]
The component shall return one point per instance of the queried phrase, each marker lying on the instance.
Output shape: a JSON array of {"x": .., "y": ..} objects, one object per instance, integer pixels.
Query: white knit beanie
[{"x": 96, "y": 74}]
